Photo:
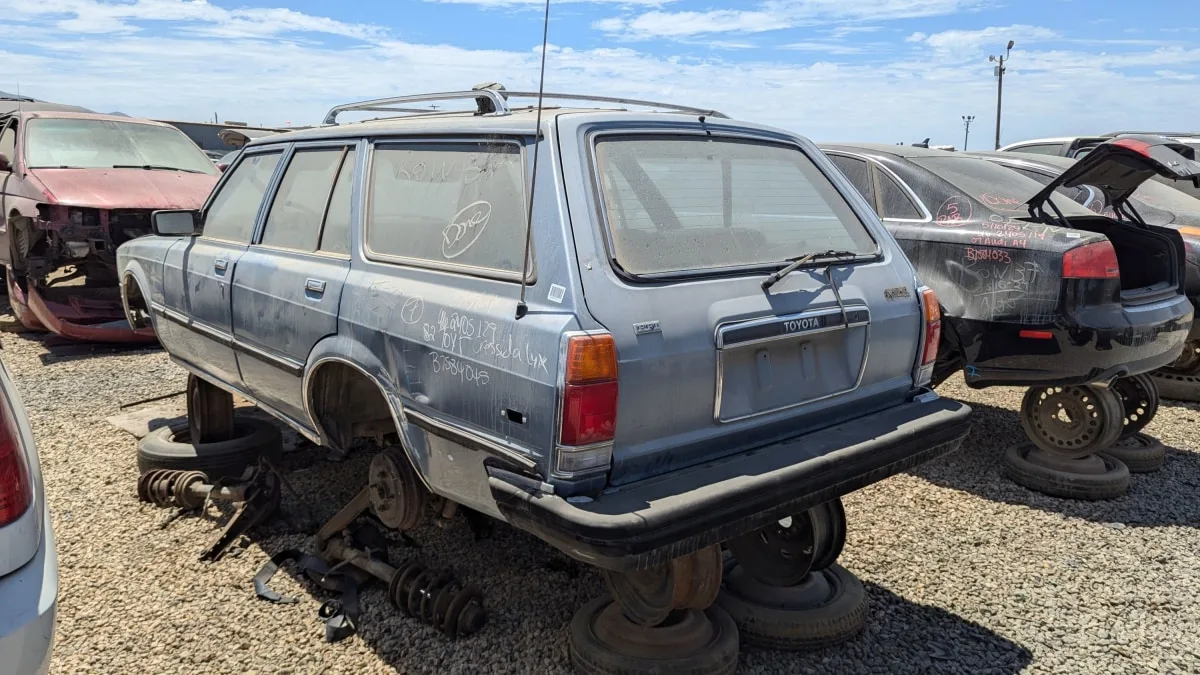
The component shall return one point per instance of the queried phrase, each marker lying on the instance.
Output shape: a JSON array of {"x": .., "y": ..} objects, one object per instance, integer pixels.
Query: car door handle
[
  {"x": 314, "y": 286},
  {"x": 220, "y": 264}
]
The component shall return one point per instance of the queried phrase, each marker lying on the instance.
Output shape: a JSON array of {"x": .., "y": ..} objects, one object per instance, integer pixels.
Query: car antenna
[{"x": 522, "y": 308}]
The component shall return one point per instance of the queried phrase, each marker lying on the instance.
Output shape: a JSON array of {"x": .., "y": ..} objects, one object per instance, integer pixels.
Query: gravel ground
[{"x": 966, "y": 571}]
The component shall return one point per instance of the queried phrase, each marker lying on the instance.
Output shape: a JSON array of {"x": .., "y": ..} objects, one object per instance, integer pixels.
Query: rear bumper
[
  {"x": 1094, "y": 345},
  {"x": 28, "y": 606},
  {"x": 652, "y": 521}
]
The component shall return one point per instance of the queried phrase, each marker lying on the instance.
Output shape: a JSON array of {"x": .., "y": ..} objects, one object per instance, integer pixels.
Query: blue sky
[{"x": 887, "y": 70}]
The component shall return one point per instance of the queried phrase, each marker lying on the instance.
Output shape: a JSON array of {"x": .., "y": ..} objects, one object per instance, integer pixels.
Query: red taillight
[
  {"x": 1091, "y": 261},
  {"x": 589, "y": 413},
  {"x": 1140, "y": 147},
  {"x": 1036, "y": 334},
  {"x": 589, "y": 405},
  {"x": 933, "y": 326},
  {"x": 16, "y": 490}
]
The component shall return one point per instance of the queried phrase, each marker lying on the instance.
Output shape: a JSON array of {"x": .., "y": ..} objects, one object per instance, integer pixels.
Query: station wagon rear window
[
  {"x": 687, "y": 203},
  {"x": 449, "y": 205}
]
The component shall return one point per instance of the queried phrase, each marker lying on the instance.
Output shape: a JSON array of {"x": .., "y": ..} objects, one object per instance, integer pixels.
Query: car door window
[
  {"x": 1077, "y": 194},
  {"x": 894, "y": 201},
  {"x": 856, "y": 170},
  {"x": 234, "y": 209},
  {"x": 294, "y": 221},
  {"x": 335, "y": 236}
]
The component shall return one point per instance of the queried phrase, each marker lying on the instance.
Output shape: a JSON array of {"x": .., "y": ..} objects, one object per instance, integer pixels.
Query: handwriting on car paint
[
  {"x": 465, "y": 228},
  {"x": 992, "y": 254},
  {"x": 1001, "y": 286},
  {"x": 464, "y": 371},
  {"x": 954, "y": 211},
  {"x": 465, "y": 335},
  {"x": 411, "y": 311},
  {"x": 1001, "y": 202}
]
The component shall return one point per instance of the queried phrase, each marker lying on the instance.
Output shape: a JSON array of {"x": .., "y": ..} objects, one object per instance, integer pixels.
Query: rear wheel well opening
[
  {"x": 137, "y": 309},
  {"x": 346, "y": 404}
]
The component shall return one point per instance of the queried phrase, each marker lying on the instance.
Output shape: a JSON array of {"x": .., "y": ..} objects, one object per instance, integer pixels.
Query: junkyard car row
[{"x": 665, "y": 342}]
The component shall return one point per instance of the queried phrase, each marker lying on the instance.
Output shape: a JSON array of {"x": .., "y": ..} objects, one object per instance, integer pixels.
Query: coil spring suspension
[
  {"x": 165, "y": 487},
  {"x": 438, "y": 599}
]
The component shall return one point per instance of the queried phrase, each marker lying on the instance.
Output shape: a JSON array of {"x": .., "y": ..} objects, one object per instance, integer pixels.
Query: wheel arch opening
[{"x": 345, "y": 404}]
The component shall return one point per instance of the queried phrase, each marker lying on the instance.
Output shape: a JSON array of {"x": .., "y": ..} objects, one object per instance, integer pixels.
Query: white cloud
[
  {"x": 826, "y": 47},
  {"x": 201, "y": 58},
  {"x": 993, "y": 37},
  {"x": 542, "y": 3},
  {"x": 775, "y": 15}
]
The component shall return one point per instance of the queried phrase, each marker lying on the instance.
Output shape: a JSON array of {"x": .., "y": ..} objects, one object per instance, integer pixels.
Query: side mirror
[
  {"x": 179, "y": 223},
  {"x": 5, "y": 163}
]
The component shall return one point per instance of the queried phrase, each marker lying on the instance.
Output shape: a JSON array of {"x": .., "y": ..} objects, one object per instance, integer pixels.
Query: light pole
[
  {"x": 967, "y": 119},
  {"x": 1000, "y": 85}
]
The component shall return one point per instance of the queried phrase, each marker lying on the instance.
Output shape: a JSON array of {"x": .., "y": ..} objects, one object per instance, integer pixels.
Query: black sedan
[
  {"x": 1036, "y": 289},
  {"x": 1157, "y": 204}
]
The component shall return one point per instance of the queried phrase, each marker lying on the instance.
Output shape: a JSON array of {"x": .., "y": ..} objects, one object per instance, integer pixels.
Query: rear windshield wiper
[
  {"x": 154, "y": 167},
  {"x": 806, "y": 258}
]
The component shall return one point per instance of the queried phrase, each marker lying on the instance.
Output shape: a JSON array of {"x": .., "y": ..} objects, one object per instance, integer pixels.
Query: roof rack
[{"x": 498, "y": 100}]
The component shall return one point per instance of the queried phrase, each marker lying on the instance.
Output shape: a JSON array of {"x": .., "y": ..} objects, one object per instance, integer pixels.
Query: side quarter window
[
  {"x": 1040, "y": 149},
  {"x": 894, "y": 200},
  {"x": 232, "y": 214},
  {"x": 448, "y": 204},
  {"x": 858, "y": 173},
  {"x": 298, "y": 208},
  {"x": 8, "y": 143}
]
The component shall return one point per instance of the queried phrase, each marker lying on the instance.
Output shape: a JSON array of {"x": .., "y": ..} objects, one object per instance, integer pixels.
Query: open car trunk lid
[{"x": 1119, "y": 167}]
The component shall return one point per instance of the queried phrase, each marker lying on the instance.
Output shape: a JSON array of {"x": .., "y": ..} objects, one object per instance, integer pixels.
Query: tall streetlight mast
[
  {"x": 967, "y": 119},
  {"x": 1000, "y": 85}
]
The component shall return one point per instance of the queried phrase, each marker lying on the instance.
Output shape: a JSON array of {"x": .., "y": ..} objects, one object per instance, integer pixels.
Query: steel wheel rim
[
  {"x": 1139, "y": 402},
  {"x": 1068, "y": 420}
]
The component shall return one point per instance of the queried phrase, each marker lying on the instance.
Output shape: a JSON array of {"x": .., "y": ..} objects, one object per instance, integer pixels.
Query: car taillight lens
[
  {"x": 1091, "y": 261},
  {"x": 16, "y": 489},
  {"x": 933, "y": 326},
  {"x": 589, "y": 404}
]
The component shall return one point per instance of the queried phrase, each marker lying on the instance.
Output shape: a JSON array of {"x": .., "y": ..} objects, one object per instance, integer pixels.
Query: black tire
[
  {"x": 210, "y": 411},
  {"x": 1140, "y": 453},
  {"x": 1109, "y": 485},
  {"x": 170, "y": 447},
  {"x": 1177, "y": 387},
  {"x": 590, "y": 655},
  {"x": 779, "y": 627}
]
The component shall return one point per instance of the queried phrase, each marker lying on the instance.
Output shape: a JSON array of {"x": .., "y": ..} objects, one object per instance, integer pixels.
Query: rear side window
[
  {"x": 687, "y": 203},
  {"x": 449, "y": 204},
  {"x": 859, "y": 173},
  {"x": 299, "y": 206},
  {"x": 894, "y": 201},
  {"x": 1001, "y": 190},
  {"x": 234, "y": 209}
]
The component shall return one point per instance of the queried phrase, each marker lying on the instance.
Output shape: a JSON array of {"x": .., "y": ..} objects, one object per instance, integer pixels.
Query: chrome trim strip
[
  {"x": 435, "y": 424},
  {"x": 724, "y": 328},
  {"x": 196, "y": 326},
  {"x": 299, "y": 427},
  {"x": 292, "y": 366}
]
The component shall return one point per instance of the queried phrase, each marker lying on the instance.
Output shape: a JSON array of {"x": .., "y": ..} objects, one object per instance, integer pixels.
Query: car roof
[
  {"x": 1030, "y": 157},
  {"x": 75, "y": 115},
  {"x": 906, "y": 151},
  {"x": 520, "y": 120}
]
